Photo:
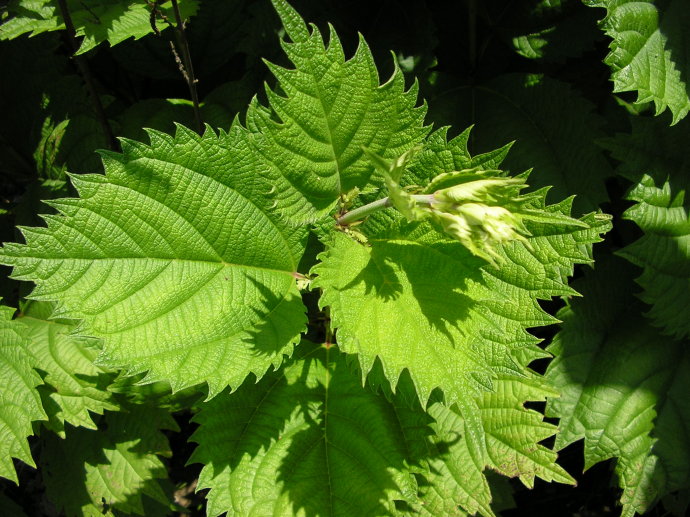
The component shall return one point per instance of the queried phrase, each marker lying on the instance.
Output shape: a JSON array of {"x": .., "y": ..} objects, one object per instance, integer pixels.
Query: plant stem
[
  {"x": 83, "y": 67},
  {"x": 327, "y": 324},
  {"x": 363, "y": 211},
  {"x": 187, "y": 70}
]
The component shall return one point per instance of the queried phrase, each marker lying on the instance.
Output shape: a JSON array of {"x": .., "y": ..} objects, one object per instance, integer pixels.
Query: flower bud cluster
[
  {"x": 478, "y": 213},
  {"x": 483, "y": 209}
]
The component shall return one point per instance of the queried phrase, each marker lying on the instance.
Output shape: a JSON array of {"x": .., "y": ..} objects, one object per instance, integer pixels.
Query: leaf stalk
[{"x": 364, "y": 211}]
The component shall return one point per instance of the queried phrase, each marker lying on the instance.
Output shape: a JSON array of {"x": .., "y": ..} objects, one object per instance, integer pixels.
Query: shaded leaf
[
  {"x": 117, "y": 468},
  {"x": 553, "y": 126},
  {"x": 339, "y": 448},
  {"x": 623, "y": 388},
  {"x": 663, "y": 253},
  {"x": 73, "y": 386}
]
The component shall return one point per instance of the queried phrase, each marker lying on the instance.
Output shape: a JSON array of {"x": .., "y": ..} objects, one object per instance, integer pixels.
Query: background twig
[
  {"x": 85, "y": 72},
  {"x": 186, "y": 64}
]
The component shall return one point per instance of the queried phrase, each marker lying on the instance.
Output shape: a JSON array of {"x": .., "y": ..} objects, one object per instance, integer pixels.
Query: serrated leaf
[
  {"x": 308, "y": 440},
  {"x": 653, "y": 148},
  {"x": 73, "y": 385},
  {"x": 553, "y": 126},
  {"x": 655, "y": 154},
  {"x": 649, "y": 51},
  {"x": 321, "y": 115},
  {"x": 96, "y": 20},
  {"x": 175, "y": 260},
  {"x": 663, "y": 253},
  {"x": 339, "y": 448},
  {"x": 20, "y": 403},
  {"x": 116, "y": 468},
  {"x": 623, "y": 388},
  {"x": 512, "y": 435},
  {"x": 458, "y": 327}
]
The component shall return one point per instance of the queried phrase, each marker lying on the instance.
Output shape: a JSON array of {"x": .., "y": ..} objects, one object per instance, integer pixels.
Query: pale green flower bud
[
  {"x": 479, "y": 227},
  {"x": 478, "y": 191},
  {"x": 481, "y": 209}
]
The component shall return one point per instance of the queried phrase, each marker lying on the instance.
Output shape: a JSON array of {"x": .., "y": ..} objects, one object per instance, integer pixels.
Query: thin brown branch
[
  {"x": 186, "y": 65},
  {"x": 85, "y": 71}
]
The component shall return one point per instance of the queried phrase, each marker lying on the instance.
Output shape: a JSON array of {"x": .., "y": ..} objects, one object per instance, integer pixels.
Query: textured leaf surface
[
  {"x": 655, "y": 149},
  {"x": 650, "y": 51},
  {"x": 327, "y": 109},
  {"x": 96, "y": 20},
  {"x": 456, "y": 328},
  {"x": 623, "y": 388},
  {"x": 93, "y": 472},
  {"x": 513, "y": 433},
  {"x": 20, "y": 403},
  {"x": 173, "y": 259},
  {"x": 663, "y": 253},
  {"x": 554, "y": 128},
  {"x": 512, "y": 436},
  {"x": 310, "y": 440},
  {"x": 73, "y": 385}
]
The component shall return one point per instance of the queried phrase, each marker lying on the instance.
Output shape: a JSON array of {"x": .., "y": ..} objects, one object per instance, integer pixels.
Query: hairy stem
[
  {"x": 187, "y": 70},
  {"x": 85, "y": 72},
  {"x": 363, "y": 211}
]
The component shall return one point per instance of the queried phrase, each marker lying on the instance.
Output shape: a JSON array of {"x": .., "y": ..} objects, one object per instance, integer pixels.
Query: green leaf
[
  {"x": 175, "y": 260},
  {"x": 653, "y": 148},
  {"x": 663, "y": 253},
  {"x": 457, "y": 328},
  {"x": 623, "y": 388},
  {"x": 46, "y": 154},
  {"x": 649, "y": 51},
  {"x": 306, "y": 440},
  {"x": 655, "y": 154},
  {"x": 322, "y": 114},
  {"x": 73, "y": 385},
  {"x": 20, "y": 403},
  {"x": 312, "y": 440},
  {"x": 115, "y": 468},
  {"x": 44, "y": 93},
  {"x": 554, "y": 128},
  {"x": 551, "y": 31},
  {"x": 512, "y": 433},
  {"x": 96, "y": 20}
]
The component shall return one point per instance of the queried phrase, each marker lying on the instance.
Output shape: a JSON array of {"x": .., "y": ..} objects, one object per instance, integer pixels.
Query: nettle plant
[{"x": 341, "y": 296}]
